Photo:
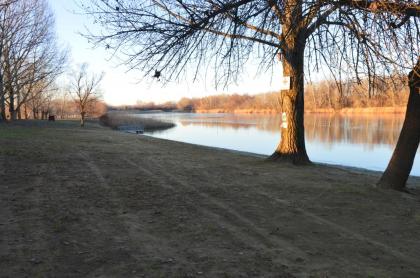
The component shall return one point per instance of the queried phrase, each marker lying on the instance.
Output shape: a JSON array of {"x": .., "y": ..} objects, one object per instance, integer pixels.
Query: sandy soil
[{"x": 98, "y": 203}]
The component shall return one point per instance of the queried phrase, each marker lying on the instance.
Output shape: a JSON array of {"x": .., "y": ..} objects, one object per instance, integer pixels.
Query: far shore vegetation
[{"x": 390, "y": 95}]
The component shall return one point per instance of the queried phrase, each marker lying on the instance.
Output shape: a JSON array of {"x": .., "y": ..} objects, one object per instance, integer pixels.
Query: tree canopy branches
[
  {"x": 84, "y": 89},
  {"x": 351, "y": 37},
  {"x": 30, "y": 59}
]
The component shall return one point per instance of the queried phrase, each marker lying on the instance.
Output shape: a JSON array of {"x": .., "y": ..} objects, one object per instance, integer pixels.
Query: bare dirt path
[{"x": 97, "y": 203}]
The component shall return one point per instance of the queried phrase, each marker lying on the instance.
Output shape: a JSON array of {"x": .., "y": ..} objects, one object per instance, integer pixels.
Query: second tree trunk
[{"x": 399, "y": 167}]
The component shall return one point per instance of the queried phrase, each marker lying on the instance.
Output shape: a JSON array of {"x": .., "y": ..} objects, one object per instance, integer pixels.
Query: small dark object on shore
[
  {"x": 51, "y": 118},
  {"x": 137, "y": 129}
]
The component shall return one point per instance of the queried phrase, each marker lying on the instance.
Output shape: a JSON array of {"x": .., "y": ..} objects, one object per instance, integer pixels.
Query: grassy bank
[
  {"x": 96, "y": 202},
  {"x": 116, "y": 120}
]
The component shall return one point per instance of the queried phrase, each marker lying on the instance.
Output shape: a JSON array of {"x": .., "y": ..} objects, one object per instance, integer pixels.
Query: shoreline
[
  {"x": 97, "y": 202},
  {"x": 360, "y": 170}
]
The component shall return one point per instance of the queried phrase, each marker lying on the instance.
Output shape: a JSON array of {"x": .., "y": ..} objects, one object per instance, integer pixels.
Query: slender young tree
[
  {"x": 352, "y": 37},
  {"x": 85, "y": 90}
]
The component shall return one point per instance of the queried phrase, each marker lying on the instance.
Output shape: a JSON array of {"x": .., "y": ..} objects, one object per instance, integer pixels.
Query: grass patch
[
  {"x": 417, "y": 217},
  {"x": 17, "y": 133}
]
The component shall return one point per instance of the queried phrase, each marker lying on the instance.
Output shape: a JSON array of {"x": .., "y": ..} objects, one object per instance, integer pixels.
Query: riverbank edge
[{"x": 413, "y": 182}]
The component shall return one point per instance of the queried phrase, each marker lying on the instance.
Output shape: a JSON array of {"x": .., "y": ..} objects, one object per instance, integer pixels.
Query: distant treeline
[
  {"x": 386, "y": 92},
  {"x": 63, "y": 106},
  {"x": 320, "y": 96}
]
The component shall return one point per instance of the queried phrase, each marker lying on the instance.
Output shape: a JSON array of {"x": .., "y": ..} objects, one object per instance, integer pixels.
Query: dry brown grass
[{"x": 93, "y": 202}]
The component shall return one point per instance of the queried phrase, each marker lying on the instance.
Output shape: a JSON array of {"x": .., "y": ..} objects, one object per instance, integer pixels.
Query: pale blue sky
[{"x": 121, "y": 87}]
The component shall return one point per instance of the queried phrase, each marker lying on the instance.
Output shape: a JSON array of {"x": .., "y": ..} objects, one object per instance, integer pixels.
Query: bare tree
[
  {"x": 61, "y": 103},
  {"x": 359, "y": 38},
  {"x": 39, "y": 101},
  {"x": 4, "y": 5},
  {"x": 30, "y": 58},
  {"x": 85, "y": 90}
]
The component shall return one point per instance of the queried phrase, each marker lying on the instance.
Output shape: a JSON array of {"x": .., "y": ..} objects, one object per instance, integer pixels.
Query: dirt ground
[{"x": 98, "y": 203}]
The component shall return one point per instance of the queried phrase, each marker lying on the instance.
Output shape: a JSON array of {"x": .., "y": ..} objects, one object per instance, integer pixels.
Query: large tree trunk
[
  {"x": 292, "y": 144},
  {"x": 2, "y": 98},
  {"x": 26, "y": 112},
  {"x": 82, "y": 119},
  {"x": 2, "y": 102},
  {"x": 2, "y": 107},
  {"x": 12, "y": 111},
  {"x": 399, "y": 167},
  {"x": 19, "y": 114}
]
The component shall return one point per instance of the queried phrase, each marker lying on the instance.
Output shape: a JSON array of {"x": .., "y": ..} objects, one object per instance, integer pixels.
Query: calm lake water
[{"x": 364, "y": 141}]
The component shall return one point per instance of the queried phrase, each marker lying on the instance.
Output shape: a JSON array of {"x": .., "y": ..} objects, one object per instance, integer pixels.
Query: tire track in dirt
[
  {"x": 254, "y": 236},
  {"x": 21, "y": 236},
  {"x": 339, "y": 228},
  {"x": 2, "y": 167},
  {"x": 350, "y": 234},
  {"x": 319, "y": 220},
  {"x": 207, "y": 212},
  {"x": 311, "y": 216},
  {"x": 130, "y": 223},
  {"x": 5, "y": 215},
  {"x": 38, "y": 243}
]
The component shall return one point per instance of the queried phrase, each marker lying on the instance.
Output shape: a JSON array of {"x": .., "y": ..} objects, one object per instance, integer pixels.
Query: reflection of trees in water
[
  {"x": 223, "y": 124},
  {"x": 369, "y": 130},
  {"x": 234, "y": 121}
]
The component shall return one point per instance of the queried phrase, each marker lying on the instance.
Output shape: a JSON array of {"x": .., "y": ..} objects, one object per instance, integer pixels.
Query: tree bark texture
[
  {"x": 2, "y": 98},
  {"x": 18, "y": 111},
  {"x": 12, "y": 111},
  {"x": 2, "y": 107},
  {"x": 292, "y": 144},
  {"x": 399, "y": 167},
  {"x": 82, "y": 119}
]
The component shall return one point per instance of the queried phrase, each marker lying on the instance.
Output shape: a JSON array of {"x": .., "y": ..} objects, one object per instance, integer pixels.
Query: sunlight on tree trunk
[
  {"x": 292, "y": 144},
  {"x": 399, "y": 167}
]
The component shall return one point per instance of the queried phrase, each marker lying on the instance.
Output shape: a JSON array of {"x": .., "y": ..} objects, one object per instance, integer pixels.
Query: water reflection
[
  {"x": 369, "y": 130},
  {"x": 363, "y": 141}
]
